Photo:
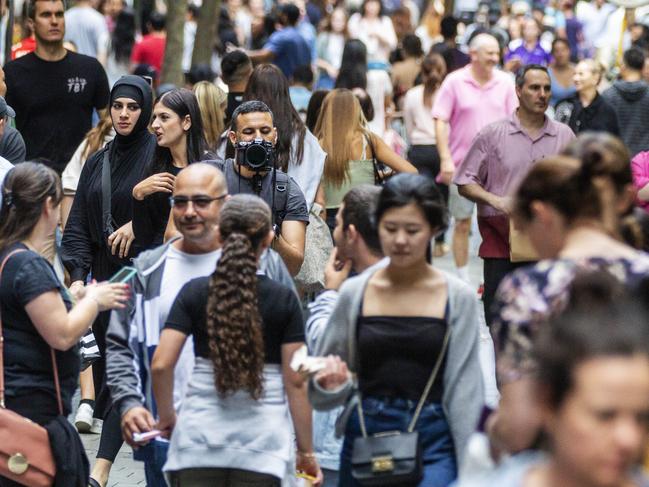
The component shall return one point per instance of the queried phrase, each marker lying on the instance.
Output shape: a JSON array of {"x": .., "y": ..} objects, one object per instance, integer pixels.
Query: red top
[
  {"x": 150, "y": 50},
  {"x": 27, "y": 45}
]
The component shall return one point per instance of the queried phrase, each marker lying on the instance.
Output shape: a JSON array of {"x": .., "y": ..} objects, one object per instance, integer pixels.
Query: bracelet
[{"x": 306, "y": 455}]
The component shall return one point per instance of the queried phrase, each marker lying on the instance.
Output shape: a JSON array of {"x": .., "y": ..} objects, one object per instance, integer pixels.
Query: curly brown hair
[{"x": 234, "y": 326}]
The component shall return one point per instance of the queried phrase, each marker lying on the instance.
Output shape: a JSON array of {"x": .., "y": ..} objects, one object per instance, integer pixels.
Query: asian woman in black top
[
  {"x": 97, "y": 245},
  {"x": 38, "y": 315}
]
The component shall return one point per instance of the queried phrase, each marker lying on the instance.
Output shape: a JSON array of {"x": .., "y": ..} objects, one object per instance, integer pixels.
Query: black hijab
[{"x": 129, "y": 153}]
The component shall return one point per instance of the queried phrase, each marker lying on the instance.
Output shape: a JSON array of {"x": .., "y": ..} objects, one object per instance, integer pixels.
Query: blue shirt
[
  {"x": 535, "y": 56},
  {"x": 290, "y": 50}
]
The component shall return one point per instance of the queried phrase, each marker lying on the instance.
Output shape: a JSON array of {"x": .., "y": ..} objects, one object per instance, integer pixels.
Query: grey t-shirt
[
  {"x": 87, "y": 29},
  {"x": 295, "y": 208},
  {"x": 12, "y": 146}
]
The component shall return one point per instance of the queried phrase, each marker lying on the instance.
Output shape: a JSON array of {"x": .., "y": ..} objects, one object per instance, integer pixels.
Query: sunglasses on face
[{"x": 200, "y": 202}]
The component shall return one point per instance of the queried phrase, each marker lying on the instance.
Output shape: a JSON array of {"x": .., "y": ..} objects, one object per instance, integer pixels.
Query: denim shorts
[{"x": 390, "y": 414}]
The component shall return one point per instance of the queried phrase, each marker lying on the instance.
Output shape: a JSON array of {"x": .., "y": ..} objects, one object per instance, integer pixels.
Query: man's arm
[
  {"x": 478, "y": 194},
  {"x": 447, "y": 167},
  {"x": 290, "y": 244},
  {"x": 262, "y": 55}
]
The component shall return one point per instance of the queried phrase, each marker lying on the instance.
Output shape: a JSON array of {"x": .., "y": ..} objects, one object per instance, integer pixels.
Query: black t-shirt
[
  {"x": 295, "y": 208},
  {"x": 234, "y": 100},
  {"x": 27, "y": 359},
  {"x": 54, "y": 101},
  {"x": 280, "y": 310}
]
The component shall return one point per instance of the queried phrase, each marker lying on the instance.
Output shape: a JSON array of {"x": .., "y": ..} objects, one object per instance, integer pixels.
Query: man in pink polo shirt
[
  {"x": 500, "y": 156},
  {"x": 469, "y": 99}
]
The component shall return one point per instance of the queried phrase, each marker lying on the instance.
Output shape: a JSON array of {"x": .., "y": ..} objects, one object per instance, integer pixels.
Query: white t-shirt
[
  {"x": 180, "y": 268},
  {"x": 5, "y": 167}
]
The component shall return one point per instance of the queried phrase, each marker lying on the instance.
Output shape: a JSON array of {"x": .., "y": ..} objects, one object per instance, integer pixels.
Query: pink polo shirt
[
  {"x": 640, "y": 169},
  {"x": 498, "y": 160},
  {"x": 468, "y": 107}
]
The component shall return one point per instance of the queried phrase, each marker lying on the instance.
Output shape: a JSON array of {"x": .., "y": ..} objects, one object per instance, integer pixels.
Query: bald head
[{"x": 200, "y": 177}]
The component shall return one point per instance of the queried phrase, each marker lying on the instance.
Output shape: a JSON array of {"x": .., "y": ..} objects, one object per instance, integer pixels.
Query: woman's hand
[
  {"x": 308, "y": 464},
  {"x": 121, "y": 239},
  {"x": 334, "y": 374},
  {"x": 158, "y": 183},
  {"x": 108, "y": 295},
  {"x": 77, "y": 290}
]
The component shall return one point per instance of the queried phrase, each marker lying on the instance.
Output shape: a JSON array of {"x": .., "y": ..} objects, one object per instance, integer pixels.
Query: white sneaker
[
  {"x": 96, "y": 426},
  {"x": 83, "y": 418}
]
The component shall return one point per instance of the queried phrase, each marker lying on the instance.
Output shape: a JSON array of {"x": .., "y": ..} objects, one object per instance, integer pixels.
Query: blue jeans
[
  {"x": 389, "y": 414},
  {"x": 154, "y": 456}
]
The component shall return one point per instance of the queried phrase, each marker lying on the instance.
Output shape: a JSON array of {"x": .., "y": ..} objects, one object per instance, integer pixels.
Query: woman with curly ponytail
[{"x": 245, "y": 329}]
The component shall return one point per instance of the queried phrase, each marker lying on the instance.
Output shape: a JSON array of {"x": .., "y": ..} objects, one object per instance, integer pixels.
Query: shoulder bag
[
  {"x": 393, "y": 457},
  {"x": 25, "y": 451}
]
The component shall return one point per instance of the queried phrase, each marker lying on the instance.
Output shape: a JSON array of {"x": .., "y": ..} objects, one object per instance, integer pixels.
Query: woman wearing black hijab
[{"x": 98, "y": 243}]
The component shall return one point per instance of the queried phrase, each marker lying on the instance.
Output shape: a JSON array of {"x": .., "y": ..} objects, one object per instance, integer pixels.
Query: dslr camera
[{"x": 257, "y": 155}]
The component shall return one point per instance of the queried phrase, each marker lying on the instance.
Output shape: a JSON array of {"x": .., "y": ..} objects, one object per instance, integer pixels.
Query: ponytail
[{"x": 234, "y": 325}]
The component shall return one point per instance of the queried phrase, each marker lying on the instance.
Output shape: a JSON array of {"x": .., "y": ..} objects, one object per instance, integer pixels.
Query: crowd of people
[{"x": 240, "y": 275}]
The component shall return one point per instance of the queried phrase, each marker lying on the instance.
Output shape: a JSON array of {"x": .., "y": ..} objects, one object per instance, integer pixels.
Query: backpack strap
[{"x": 282, "y": 183}]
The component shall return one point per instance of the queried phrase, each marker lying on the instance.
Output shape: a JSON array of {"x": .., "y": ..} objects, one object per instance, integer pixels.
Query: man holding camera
[{"x": 252, "y": 171}]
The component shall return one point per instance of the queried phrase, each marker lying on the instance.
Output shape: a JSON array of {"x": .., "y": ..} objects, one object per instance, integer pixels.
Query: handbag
[
  {"x": 25, "y": 451},
  {"x": 317, "y": 248},
  {"x": 393, "y": 457}
]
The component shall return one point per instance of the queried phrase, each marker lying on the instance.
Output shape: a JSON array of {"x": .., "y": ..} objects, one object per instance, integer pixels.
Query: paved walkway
[{"x": 128, "y": 473}]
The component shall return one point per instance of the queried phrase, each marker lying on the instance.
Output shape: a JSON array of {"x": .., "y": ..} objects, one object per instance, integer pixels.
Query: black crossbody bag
[{"x": 393, "y": 457}]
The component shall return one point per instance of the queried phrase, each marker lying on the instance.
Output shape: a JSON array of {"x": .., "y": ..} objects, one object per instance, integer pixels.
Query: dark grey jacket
[{"x": 630, "y": 100}]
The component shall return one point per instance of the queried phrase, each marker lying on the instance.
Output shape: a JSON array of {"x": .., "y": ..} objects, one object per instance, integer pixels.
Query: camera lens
[{"x": 256, "y": 156}]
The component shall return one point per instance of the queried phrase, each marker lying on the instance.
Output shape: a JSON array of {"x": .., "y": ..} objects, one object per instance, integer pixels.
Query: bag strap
[
  {"x": 424, "y": 395},
  {"x": 378, "y": 179},
  {"x": 106, "y": 192},
  {"x": 55, "y": 369}
]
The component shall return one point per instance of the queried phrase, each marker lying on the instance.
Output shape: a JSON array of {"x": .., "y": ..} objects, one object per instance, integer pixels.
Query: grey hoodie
[{"x": 630, "y": 100}]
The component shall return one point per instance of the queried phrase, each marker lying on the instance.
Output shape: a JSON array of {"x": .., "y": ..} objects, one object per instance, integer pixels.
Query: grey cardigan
[{"x": 463, "y": 396}]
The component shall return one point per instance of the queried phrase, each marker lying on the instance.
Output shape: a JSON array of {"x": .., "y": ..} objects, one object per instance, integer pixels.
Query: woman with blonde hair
[
  {"x": 354, "y": 154},
  {"x": 587, "y": 110},
  {"x": 212, "y": 101}
]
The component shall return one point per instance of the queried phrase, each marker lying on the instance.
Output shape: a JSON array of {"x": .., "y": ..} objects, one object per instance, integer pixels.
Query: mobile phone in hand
[{"x": 146, "y": 436}]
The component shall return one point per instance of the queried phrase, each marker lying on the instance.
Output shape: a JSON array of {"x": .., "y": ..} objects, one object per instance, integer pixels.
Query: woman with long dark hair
[
  {"x": 38, "y": 315},
  {"x": 392, "y": 326},
  {"x": 234, "y": 426},
  {"x": 353, "y": 66},
  {"x": 122, "y": 41},
  {"x": 98, "y": 237},
  {"x": 178, "y": 128}
]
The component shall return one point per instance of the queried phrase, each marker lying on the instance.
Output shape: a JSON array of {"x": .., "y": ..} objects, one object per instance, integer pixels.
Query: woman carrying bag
[
  {"x": 37, "y": 318},
  {"x": 410, "y": 334}
]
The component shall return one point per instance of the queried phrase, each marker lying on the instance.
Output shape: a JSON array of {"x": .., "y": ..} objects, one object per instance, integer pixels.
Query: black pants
[
  {"x": 426, "y": 159},
  {"x": 494, "y": 272}
]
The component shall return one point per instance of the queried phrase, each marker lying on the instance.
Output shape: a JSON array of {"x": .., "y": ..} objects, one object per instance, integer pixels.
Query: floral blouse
[{"x": 529, "y": 296}]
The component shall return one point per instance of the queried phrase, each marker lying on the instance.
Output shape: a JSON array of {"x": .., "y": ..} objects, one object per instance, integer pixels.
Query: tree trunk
[
  {"x": 206, "y": 32},
  {"x": 172, "y": 70}
]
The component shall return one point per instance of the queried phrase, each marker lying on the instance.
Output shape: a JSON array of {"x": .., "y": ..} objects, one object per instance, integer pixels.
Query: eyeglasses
[{"x": 200, "y": 202}]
